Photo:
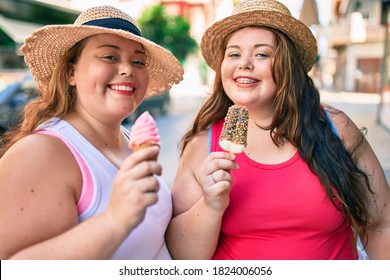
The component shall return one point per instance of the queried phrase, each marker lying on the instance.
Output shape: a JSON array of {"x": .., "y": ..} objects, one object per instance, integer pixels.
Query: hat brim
[
  {"x": 299, "y": 33},
  {"x": 47, "y": 45}
]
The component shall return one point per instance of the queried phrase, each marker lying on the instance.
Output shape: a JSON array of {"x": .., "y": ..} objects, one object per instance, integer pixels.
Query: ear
[{"x": 71, "y": 76}]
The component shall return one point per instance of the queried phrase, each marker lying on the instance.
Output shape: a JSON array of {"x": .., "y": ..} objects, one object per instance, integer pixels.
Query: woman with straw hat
[
  {"x": 70, "y": 188},
  {"x": 307, "y": 184}
]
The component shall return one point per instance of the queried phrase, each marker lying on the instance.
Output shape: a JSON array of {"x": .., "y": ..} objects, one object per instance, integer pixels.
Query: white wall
[{"x": 355, "y": 52}]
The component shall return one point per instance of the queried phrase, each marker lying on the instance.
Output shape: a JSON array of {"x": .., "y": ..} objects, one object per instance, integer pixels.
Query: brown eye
[{"x": 110, "y": 58}]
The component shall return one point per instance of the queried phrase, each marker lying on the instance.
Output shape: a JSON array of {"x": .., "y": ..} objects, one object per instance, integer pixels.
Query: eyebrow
[
  {"x": 256, "y": 46},
  {"x": 118, "y": 48}
]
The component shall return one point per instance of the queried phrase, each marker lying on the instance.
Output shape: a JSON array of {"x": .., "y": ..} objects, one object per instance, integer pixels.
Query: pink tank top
[{"x": 280, "y": 211}]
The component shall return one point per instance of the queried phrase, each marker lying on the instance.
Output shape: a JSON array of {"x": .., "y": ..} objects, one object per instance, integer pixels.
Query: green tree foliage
[{"x": 171, "y": 32}]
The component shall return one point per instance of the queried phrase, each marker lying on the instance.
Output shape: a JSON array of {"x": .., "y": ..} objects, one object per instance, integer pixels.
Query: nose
[
  {"x": 245, "y": 64},
  {"x": 126, "y": 69}
]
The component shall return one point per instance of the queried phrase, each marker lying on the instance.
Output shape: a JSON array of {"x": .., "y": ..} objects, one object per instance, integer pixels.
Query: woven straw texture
[
  {"x": 269, "y": 13},
  {"x": 45, "y": 46}
]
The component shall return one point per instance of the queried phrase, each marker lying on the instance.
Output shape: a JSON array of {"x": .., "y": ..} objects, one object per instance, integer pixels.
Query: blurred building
[
  {"x": 19, "y": 18},
  {"x": 384, "y": 107},
  {"x": 358, "y": 35},
  {"x": 200, "y": 13}
]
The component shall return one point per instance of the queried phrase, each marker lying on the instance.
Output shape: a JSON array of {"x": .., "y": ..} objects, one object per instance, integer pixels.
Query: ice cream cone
[
  {"x": 144, "y": 133},
  {"x": 137, "y": 147}
]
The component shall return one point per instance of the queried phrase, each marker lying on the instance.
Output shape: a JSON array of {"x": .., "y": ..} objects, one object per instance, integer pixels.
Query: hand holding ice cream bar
[
  {"x": 144, "y": 133},
  {"x": 235, "y": 130}
]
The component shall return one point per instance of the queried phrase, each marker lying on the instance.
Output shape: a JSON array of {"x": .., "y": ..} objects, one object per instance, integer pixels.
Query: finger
[
  {"x": 139, "y": 200},
  {"x": 213, "y": 181},
  {"x": 139, "y": 156},
  {"x": 144, "y": 169},
  {"x": 219, "y": 188},
  {"x": 218, "y": 164},
  {"x": 150, "y": 198},
  {"x": 222, "y": 175},
  {"x": 221, "y": 155},
  {"x": 218, "y": 193},
  {"x": 219, "y": 176},
  {"x": 149, "y": 184}
]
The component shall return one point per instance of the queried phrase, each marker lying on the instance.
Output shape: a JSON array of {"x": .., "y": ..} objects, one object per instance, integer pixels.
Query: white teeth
[
  {"x": 246, "y": 81},
  {"x": 122, "y": 88}
]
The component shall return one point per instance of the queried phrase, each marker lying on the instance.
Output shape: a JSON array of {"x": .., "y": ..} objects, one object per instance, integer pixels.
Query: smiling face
[
  {"x": 110, "y": 77},
  {"x": 246, "y": 70}
]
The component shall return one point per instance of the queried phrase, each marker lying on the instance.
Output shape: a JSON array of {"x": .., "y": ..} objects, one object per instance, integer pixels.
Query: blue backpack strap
[
  {"x": 331, "y": 123},
  {"x": 209, "y": 133}
]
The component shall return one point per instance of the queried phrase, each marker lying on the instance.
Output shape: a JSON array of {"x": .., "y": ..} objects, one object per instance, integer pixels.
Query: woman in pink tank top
[{"x": 307, "y": 184}]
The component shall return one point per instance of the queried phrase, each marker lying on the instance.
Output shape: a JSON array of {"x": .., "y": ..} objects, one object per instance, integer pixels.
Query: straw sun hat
[
  {"x": 43, "y": 49},
  {"x": 269, "y": 13}
]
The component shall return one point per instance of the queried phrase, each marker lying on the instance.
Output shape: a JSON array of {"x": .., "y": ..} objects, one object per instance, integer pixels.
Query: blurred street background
[{"x": 352, "y": 68}]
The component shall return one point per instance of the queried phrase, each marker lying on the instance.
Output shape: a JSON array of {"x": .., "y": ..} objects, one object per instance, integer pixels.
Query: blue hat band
[{"x": 115, "y": 23}]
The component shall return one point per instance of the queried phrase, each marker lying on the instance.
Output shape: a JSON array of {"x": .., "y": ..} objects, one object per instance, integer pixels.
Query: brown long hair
[
  {"x": 300, "y": 119},
  {"x": 57, "y": 100}
]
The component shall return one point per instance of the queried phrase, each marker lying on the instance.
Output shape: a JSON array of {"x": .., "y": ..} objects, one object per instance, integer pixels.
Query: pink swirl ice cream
[{"x": 144, "y": 133}]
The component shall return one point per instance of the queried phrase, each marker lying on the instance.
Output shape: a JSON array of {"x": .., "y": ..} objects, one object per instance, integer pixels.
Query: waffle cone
[{"x": 138, "y": 147}]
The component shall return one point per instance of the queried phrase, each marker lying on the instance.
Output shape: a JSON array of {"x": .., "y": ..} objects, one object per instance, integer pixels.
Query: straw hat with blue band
[
  {"x": 43, "y": 49},
  {"x": 267, "y": 13}
]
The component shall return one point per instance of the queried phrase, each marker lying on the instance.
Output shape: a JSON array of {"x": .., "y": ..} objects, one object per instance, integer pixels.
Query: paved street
[{"x": 361, "y": 108}]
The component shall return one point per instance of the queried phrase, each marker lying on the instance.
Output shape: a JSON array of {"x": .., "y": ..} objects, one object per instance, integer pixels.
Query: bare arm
[
  {"x": 40, "y": 183},
  {"x": 378, "y": 246},
  {"x": 200, "y": 195}
]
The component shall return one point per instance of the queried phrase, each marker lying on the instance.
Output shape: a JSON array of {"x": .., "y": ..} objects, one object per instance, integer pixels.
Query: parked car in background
[{"x": 13, "y": 98}]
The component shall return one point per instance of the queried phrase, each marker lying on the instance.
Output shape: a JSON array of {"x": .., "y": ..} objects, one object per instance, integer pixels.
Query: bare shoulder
[
  {"x": 347, "y": 130},
  {"x": 198, "y": 143},
  {"x": 186, "y": 190},
  {"x": 40, "y": 183},
  {"x": 195, "y": 152},
  {"x": 38, "y": 154},
  {"x": 339, "y": 119}
]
